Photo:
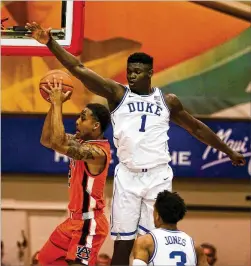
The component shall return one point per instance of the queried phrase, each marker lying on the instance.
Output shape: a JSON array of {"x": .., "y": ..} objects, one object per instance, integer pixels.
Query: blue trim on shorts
[
  {"x": 143, "y": 228},
  {"x": 124, "y": 234}
]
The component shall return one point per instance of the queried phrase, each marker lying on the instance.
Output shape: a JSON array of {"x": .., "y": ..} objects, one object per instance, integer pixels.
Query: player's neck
[
  {"x": 171, "y": 227},
  {"x": 96, "y": 137},
  {"x": 146, "y": 91}
]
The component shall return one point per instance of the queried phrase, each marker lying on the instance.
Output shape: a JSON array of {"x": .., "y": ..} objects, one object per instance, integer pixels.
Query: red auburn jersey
[{"x": 87, "y": 191}]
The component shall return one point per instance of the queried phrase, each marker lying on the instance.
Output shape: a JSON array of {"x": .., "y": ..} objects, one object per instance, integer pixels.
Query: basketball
[{"x": 67, "y": 84}]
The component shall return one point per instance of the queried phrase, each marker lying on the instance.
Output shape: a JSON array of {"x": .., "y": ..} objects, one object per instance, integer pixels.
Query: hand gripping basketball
[
  {"x": 51, "y": 79},
  {"x": 55, "y": 92}
]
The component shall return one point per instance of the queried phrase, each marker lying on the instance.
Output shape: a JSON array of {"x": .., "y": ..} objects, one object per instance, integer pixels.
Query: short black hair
[
  {"x": 209, "y": 246},
  {"x": 101, "y": 114},
  {"x": 170, "y": 207},
  {"x": 141, "y": 58}
]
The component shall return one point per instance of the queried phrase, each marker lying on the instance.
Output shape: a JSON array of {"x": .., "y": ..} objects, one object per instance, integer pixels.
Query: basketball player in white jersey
[
  {"x": 140, "y": 119},
  {"x": 167, "y": 245}
]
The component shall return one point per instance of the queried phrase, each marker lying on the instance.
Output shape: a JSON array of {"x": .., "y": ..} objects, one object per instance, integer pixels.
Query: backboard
[{"x": 66, "y": 18}]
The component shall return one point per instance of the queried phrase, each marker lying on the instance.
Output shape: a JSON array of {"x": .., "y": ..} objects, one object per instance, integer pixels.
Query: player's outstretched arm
[
  {"x": 201, "y": 257},
  {"x": 107, "y": 88},
  {"x": 45, "y": 139},
  {"x": 199, "y": 130},
  {"x": 142, "y": 250}
]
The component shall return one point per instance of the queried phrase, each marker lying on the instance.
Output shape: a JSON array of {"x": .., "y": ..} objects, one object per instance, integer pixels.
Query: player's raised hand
[
  {"x": 237, "y": 159},
  {"x": 38, "y": 33},
  {"x": 55, "y": 91}
]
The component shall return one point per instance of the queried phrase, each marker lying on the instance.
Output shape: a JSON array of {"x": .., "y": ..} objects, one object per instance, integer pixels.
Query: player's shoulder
[
  {"x": 172, "y": 101},
  {"x": 144, "y": 241},
  {"x": 171, "y": 97},
  {"x": 99, "y": 148},
  {"x": 184, "y": 234},
  {"x": 102, "y": 143}
]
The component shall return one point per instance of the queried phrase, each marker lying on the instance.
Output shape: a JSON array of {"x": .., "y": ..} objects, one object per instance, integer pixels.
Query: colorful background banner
[
  {"x": 200, "y": 54},
  {"x": 23, "y": 153}
]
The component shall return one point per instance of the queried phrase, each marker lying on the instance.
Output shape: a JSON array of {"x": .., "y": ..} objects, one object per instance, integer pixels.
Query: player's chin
[{"x": 134, "y": 87}]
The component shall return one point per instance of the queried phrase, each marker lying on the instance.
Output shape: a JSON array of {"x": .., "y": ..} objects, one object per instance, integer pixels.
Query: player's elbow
[
  {"x": 78, "y": 70},
  {"x": 45, "y": 143},
  {"x": 56, "y": 142},
  {"x": 197, "y": 129}
]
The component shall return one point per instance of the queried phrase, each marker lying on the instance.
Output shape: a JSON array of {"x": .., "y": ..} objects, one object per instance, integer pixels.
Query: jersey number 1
[{"x": 143, "y": 123}]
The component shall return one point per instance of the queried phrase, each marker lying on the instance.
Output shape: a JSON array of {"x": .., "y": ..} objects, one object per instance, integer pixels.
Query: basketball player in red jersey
[{"x": 79, "y": 238}]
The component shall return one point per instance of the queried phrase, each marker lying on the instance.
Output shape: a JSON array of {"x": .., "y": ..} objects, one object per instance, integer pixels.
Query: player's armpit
[
  {"x": 77, "y": 151},
  {"x": 142, "y": 248},
  {"x": 201, "y": 257}
]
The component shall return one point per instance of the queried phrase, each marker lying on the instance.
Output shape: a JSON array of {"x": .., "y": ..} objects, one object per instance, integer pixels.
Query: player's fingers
[
  {"x": 45, "y": 89},
  {"x": 49, "y": 84},
  {"x": 49, "y": 30},
  {"x": 32, "y": 27},
  {"x": 68, "y": 94},
  {"x": 242, "y": 162},
  {"x": 60, "y": 82},
  {"x": 28, "y": 25},
  {"x": 55, "y": 81},
  {"x": 35, "y": 25}
]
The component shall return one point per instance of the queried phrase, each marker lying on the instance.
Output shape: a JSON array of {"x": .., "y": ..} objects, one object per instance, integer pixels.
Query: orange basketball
[{"x": 66, "y": 86}]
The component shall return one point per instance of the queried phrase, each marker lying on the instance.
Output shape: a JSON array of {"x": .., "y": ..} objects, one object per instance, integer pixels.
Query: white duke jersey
[
  {"x": 140, "y": 125},
  {"x": 172, "y": 248}
]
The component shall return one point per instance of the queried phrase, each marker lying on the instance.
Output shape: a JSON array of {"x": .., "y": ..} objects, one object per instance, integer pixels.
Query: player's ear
[
  {"x": 150, "y": 73},
  {"x": 96, "y": 126}
]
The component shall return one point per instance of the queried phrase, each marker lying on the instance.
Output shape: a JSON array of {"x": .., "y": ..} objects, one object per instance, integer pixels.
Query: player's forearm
[
  {"x": 207, "y": 136},
  {"x": 45, "y": 139},
  {"x": 68, "y": 60},
  {"x": 58, "y": 133},
  {"x": 90, "y": 79}
]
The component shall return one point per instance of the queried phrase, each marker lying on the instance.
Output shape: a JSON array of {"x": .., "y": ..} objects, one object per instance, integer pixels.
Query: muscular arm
[
  {"x": 68, "y": 145},
  {"x": 195, "y": 127},
  {"x": 142, "y": 250},
  {"x": 201, "y": 257},
  {"x": 45, "y": 139},
  {"x": 107, "y": 88}
]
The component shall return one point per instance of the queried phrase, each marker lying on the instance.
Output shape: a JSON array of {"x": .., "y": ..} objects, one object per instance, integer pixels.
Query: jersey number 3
[
  {"x": 143, "y": 124},
  {"x": 182, "y": 256}
]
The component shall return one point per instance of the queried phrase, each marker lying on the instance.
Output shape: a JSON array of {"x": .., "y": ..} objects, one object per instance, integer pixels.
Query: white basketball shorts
[{"x": 134, "y": 194}]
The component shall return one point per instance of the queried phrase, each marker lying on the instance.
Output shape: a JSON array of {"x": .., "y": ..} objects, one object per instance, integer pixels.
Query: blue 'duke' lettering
[{"x": 145, "y": 107}]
